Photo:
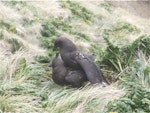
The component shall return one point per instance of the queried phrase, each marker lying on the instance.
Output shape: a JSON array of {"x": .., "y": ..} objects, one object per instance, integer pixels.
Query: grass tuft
[
  {"x": 79, "y": 11},
  {"x": 16, "y": 44},
  {"x": 8, "y": 26}
]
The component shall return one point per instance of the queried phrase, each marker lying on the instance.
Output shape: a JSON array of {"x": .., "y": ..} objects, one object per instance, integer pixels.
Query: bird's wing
[
  {"x": 93, "y": 73},
  {"x": 73, "y": 56}
]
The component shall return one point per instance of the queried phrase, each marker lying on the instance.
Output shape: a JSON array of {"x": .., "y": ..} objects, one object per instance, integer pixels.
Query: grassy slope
[{"x": 25, "y": 84}]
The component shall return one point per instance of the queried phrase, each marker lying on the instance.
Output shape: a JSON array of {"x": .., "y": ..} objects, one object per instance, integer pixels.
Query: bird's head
[
  {"x": 57, "y": 44},
  {"x": 54, "y": 61},
  {"x": 64, "y": 43}
]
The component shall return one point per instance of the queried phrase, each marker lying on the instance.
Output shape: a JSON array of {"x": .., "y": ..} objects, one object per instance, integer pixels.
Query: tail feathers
[{"x": 92, "y": 71}]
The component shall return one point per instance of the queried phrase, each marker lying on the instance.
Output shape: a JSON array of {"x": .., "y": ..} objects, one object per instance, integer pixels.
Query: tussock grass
[
  {"x": 18, "y": 85},
  {"x": 24, "y": 88},
  {"x": 88, "y": 98},
  {"x": 25, "y": 80},
  {"x": 143, "y": 71},
  {"x": 136, "y": 81}
]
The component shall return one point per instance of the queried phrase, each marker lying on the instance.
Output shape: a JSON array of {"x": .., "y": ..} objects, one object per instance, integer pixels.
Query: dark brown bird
[
  {"x": 76, "y": 78},
  {"x": 59, "y": 71},
  {"x": 76, "y": 60},
  {"x": 62, "y": 75},
  {"x": 67, "y": 52}
]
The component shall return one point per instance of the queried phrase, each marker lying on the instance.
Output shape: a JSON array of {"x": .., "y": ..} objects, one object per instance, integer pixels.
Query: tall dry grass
[{"x": 25, "y": 84}]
